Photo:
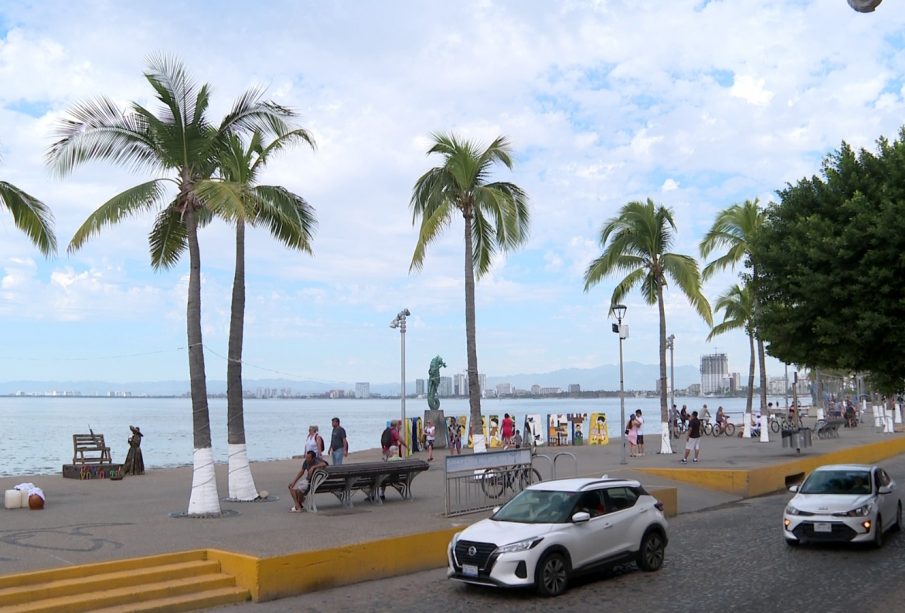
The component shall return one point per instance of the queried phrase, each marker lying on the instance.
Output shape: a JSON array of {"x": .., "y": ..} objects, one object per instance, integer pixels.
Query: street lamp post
[
  {"x": 619, "y": 311},
  {"x": 399, "y": 322}
]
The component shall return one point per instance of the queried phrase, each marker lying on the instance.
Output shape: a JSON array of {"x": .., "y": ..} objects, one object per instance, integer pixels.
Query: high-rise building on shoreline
[{"x": 714, "y": 373}]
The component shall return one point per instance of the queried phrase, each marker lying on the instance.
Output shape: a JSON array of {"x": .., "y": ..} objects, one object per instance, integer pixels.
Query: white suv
[{"x": 555, "y": 529}]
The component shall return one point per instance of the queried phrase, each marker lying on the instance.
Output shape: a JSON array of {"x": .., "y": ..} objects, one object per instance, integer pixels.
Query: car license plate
[
  {"x": 823, "y": 527},
  {"x": 469, "y": 570}
]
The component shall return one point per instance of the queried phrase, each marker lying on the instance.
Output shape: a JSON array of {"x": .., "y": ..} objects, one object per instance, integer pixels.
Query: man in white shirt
[{"x": 640, "y": 424}]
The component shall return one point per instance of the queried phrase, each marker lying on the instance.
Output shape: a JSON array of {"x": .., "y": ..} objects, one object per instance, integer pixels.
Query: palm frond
[
  {"x": 167, "y": 239},
  {"x": 137, "y": 199},
  {"x": 684, "y": 271},
  {"x": 31, "y": 216},
  {"x": 289, "y": 217},
  {"x": 431, "y": 225}
]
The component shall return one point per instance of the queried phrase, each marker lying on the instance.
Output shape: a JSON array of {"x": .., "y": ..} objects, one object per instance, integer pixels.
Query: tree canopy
[{"x": 831, "y": 259}]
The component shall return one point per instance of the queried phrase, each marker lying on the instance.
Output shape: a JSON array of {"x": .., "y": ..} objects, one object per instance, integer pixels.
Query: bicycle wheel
[
  {"x": 708, "y": 428},
  {"x": 775, "y": 426},
  {"x": 493, "y": 482},
  {"x": 527, "y": 477},
  {"x": 730, "y": 429},
  {"x": 715, "y": 431}
]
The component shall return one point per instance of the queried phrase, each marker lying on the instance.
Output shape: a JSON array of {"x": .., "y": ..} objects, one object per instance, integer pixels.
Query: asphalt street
[{"x": 726, "y": 558}]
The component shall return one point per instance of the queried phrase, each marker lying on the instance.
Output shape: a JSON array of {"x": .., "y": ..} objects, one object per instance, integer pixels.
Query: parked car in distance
[
  {"x": 844, "y": 503},
  {"x": 552, "y": 530}
]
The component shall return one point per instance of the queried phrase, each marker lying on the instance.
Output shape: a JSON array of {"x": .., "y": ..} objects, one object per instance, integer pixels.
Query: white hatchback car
[
  {"x": 551, "y": 530},
  {"x": 844, "y": 503}
]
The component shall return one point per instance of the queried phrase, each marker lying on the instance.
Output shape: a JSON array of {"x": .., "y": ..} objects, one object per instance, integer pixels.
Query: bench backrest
[
  {"x": 370, "y": 470},
  {"x": 88, "y": 442}
]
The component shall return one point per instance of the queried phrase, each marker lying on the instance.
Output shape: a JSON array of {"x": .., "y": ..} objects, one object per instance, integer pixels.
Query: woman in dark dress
[{"x": 135, "y": 464}]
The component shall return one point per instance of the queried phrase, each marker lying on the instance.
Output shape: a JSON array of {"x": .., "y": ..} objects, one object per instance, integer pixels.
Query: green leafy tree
[
  {"x": 735, "y": 229},
  {"x": 831, "y": 264},
  {"x": 495, "y": 214},
  {"x": 178, "y": 142},
  {"x": 236, "y": 196},
  {"x": 31, "y": 216},
  {"x": 737, "y": 306},
  {"x": 636, "y": 243}
]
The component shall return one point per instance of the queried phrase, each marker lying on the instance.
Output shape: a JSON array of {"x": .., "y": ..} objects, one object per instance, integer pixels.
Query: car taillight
[{"x": 659, "y": 505}]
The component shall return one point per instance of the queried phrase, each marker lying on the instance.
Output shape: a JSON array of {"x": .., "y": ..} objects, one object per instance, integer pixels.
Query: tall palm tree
[
  {"x": 179, "y": 143},
  {"x": 735, "y": 228},
  {"x": 737, "y": 305},
  {"x": 31, "y": 216},
  {"x": 495, "y": 214},
  {"x": 236, "y": 196},
  {"x": 637, "y": 242}
]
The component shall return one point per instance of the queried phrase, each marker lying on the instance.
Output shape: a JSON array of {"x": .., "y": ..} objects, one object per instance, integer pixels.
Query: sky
[{"x": 697, "y": 105}]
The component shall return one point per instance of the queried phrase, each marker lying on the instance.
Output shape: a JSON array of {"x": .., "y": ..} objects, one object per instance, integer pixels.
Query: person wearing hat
[{"x": 135, "y": 463}]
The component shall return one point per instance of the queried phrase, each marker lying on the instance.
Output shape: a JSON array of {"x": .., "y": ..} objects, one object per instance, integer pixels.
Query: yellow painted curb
[{"x": 757, "y": 481}]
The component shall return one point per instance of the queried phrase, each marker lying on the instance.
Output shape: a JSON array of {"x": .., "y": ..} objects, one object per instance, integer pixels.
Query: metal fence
[{"x": 482, "y": 481}]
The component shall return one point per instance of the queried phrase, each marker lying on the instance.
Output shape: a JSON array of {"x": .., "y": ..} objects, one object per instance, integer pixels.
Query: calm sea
[{"x": 37, "y": 432}]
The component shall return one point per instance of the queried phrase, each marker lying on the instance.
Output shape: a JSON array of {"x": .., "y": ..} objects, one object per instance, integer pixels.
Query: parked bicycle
[
  {"x": 495, "y": 481},
  {"x": 782, "y": 422}
]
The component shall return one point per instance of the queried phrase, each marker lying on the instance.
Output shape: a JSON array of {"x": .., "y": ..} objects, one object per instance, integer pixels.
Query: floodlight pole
[{"x": 399, "y": 322}]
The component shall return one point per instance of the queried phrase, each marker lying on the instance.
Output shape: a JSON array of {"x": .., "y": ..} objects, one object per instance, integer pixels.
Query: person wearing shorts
[
  {"x": 640, "y": 439},
  {"x": 694, "y": 438}
]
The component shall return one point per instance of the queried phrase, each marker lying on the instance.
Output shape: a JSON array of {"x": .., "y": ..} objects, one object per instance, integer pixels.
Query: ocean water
[{"x": 37, "y": 432}]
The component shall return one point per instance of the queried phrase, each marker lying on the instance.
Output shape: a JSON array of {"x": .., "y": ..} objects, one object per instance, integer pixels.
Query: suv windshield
[
  {"x": 851, "y": 482},
  {"x": 539, "y": 507}
]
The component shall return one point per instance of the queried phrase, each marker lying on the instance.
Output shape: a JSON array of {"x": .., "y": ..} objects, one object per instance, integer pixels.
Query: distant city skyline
[{"x": 697, "y": 105}]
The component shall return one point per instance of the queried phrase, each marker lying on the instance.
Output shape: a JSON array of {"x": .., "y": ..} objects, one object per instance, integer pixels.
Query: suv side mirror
[
  {"x": 885, "y": 489},
  {"x": 581, "y": 517},
  {"x": 793, "y": 489}
]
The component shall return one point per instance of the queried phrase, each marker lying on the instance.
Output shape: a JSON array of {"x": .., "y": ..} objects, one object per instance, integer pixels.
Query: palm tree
[
  {"x": 735, "y": 228},
  {"x": 236, "y": 196},
  {"x": 495, "y": 214},
  {"x": 737, "y": 305},
  {"x": 31, "y": 216},
  {"x": 636, "y": 242},
  {"x": 180, "y": 143}
]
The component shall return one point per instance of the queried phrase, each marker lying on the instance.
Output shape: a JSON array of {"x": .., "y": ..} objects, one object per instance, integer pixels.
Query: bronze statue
[
  {"x": 135, "y": 463},
  {"x": 433, "y": 382}
]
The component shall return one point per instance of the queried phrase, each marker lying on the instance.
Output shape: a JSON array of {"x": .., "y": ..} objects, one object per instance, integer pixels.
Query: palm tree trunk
[
  {"x": 241, "y": 483},
  {"x": 204, "y": 499},
  {"x": 664, "y": 406},
  {"x": 751, "y": 362},
  {"x": 762, "y": 360},
  {"x": 474, "y": 389}
]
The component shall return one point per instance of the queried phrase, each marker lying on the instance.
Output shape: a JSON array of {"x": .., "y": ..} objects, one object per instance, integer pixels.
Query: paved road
[{"x": 728, "y": 558}]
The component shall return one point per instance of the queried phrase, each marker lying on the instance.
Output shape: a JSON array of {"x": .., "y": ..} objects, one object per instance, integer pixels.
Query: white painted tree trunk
[
  {"x": 820, "y": 414},
  {"x": 764, "y": 428},
  {"x": 241, "y": 484},
  {"x": 478, "y": 443},
  {"x": 665, "y": 442},
  {"x": 746, "y": 431},
  {"x": 204, "y": 499}
]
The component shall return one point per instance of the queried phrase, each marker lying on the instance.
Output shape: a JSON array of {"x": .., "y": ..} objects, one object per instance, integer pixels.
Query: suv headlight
[
  {"x": 790, "y": 510},
  {"x": 524, "y": 545},
  {"x": 861, "y": 511}
]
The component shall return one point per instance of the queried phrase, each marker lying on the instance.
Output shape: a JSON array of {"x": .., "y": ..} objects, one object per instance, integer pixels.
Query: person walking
[
  {"x": 339, "y": 443},
  {"x": 694, "y": 438},
  {"x": 314, "y": 442},
  {"x": 430, "y": 433},
  {"x": 454, "y": 437},
  {"x": 632, "y": 435},
  {"x": 508, "y": 429},
  {"x": 639, "y": 422}
]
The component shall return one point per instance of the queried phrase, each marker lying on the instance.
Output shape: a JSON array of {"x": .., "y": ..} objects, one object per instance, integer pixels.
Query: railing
[{"x": 482, "y": 481}]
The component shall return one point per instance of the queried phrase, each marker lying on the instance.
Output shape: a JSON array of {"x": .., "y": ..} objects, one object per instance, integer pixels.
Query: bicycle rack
[{"x": 574, "y": 462}]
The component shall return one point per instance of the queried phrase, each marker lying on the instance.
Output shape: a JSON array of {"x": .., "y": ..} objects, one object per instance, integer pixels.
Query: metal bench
[
  {"x": 368, "y": 477},
  {"x": 828, "y": 428}
]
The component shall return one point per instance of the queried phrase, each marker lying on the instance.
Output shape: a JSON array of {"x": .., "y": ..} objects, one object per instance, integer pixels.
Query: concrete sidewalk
[{"x": 100, "y": 520}]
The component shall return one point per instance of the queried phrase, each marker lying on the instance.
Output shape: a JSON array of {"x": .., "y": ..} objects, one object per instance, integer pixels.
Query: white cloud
[{"x": 598, "y": 113}]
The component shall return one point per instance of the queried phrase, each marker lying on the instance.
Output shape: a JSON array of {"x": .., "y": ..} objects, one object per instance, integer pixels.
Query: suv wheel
[
  {"x": 552, "y": 574},
  {"x": 652, "y": 552}
]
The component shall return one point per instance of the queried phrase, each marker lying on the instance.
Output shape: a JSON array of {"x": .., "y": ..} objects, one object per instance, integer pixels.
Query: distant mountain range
[{"x": 639, "y": 377}]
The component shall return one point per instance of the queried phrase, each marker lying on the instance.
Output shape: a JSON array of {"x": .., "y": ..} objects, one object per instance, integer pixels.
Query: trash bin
[{"x": 804, "y": 434}]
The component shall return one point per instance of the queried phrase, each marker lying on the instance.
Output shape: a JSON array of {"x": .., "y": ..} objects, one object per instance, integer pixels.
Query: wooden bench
[
  {"x": 368, "y": 477},
  {"x": 90, "y": 449}
]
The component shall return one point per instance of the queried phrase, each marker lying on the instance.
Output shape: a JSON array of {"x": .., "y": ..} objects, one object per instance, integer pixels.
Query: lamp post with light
[
  {"x": 399, "y": 322},
  {"x": 619, "y": 311}
]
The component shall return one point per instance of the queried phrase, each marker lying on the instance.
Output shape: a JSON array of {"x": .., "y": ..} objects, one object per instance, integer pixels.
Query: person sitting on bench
[{"x": 302, "y": 482}]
